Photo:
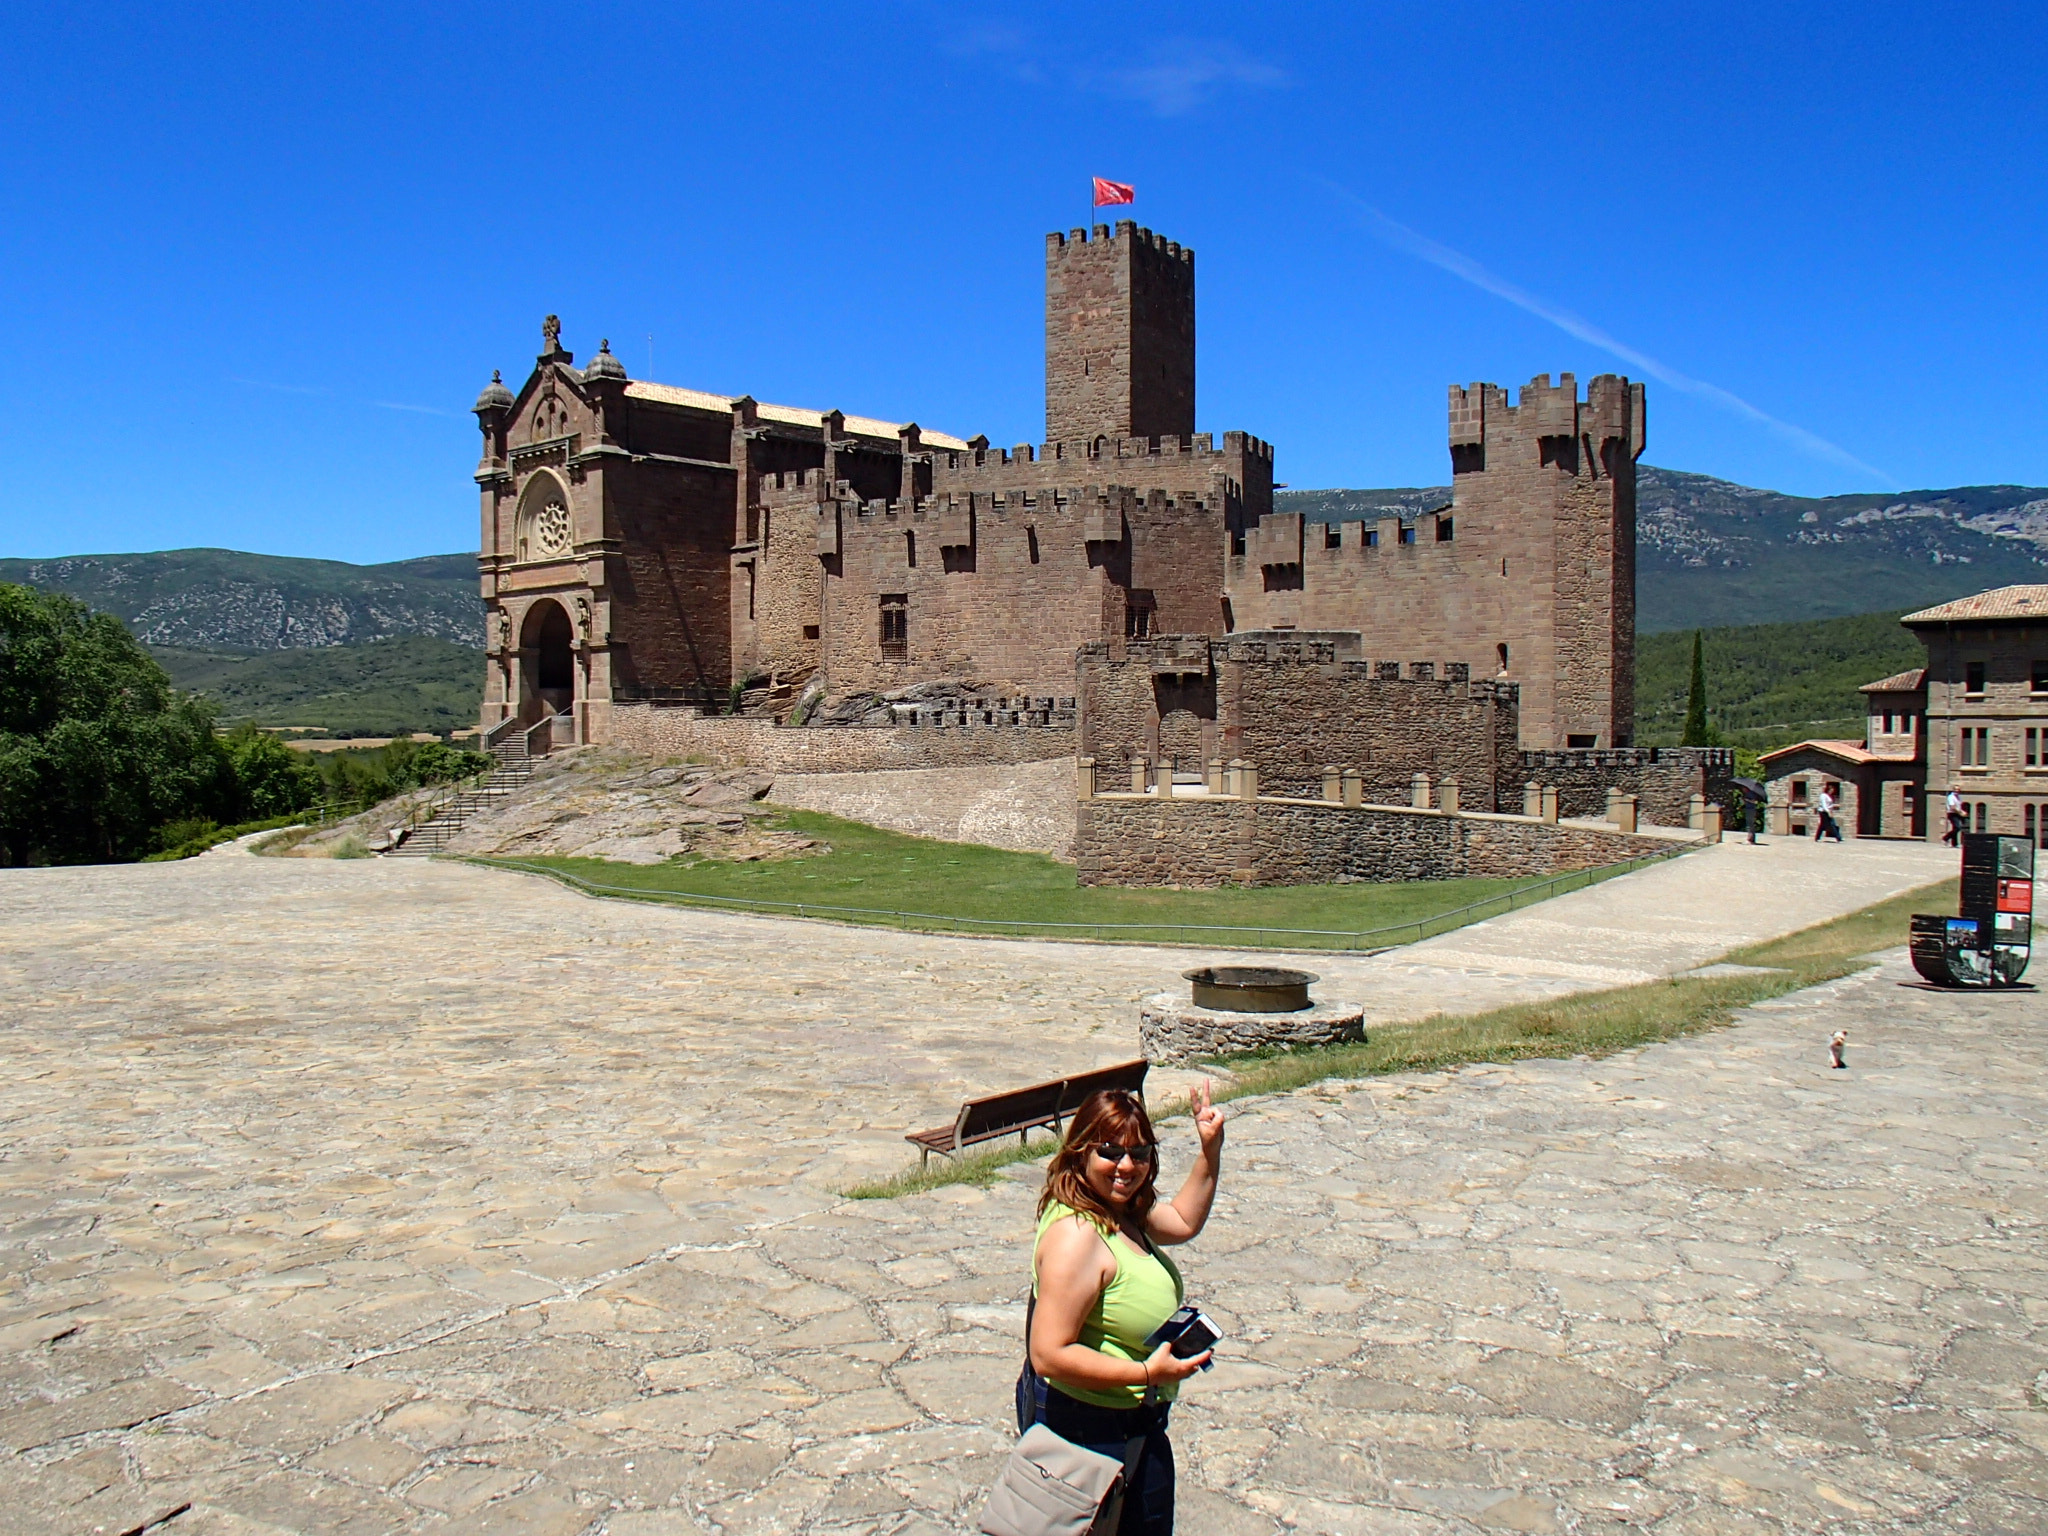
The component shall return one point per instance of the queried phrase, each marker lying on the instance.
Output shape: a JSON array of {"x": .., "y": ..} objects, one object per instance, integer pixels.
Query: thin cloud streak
[
  {"x": 1185, "y": 74},
  {"x": 1414, "y": 243},
  {"x": 1178, "y": 76},
  {"x": 418, "y": 410}
]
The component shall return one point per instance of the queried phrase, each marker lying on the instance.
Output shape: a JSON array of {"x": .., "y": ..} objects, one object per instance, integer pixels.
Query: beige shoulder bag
[{"x": 1053, "y": 1487}]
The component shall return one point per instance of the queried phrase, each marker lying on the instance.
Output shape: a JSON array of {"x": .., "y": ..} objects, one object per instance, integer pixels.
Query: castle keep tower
[{"x": 1119, "y": 335}]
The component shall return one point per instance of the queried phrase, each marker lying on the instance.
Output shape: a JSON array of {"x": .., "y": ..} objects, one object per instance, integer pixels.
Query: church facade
[{"x": 647, "y": 543}]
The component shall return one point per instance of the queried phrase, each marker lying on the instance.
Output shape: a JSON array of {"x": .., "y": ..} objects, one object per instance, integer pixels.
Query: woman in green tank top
[{"x": 1102, "y": 1284}]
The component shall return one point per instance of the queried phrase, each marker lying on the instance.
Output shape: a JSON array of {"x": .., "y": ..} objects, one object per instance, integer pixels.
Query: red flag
[{"x": 1113, "y": 192}]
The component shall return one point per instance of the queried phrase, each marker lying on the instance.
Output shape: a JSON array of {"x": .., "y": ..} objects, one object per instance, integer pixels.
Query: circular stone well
[{"x": 1172, "y": 1031}]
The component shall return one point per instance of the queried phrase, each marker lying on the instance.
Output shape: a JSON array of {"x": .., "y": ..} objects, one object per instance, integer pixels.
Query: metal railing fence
[{"x": 1366, "y": 939}]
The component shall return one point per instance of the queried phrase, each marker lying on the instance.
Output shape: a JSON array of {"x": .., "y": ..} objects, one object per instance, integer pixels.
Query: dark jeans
[{"x": 1148, "y": 1502}]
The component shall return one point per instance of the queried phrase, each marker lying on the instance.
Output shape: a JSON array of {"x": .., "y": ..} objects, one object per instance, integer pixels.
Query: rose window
[{"x": 551, "y": 529}]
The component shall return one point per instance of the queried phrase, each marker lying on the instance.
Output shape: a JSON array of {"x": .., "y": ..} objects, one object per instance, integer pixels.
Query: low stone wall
[
  {"x": 1025, "y": 806},
  {"x": 1143, "y": 840},
  {"x": 1663, "y": 779},
  {"x": 662, "y": 730}
]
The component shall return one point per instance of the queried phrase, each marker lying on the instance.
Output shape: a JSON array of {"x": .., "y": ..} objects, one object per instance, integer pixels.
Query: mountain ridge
[{"x": 1712, "y": 553}]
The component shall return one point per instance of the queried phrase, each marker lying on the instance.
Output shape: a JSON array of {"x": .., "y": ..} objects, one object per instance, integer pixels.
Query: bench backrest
[
  {"x": 1128, "y": 1075},
  {"x": 998, "y": 1114}
]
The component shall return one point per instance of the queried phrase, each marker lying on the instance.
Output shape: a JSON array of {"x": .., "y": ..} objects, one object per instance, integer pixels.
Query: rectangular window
[
  {"x": 1983, "y": 808},
  {"x": 2040, "y": 679},
  {"x": 1407, "y": 533},
  {"x": 1443, "y": 530},
  {"x": 810, "y": 631},
  {"x": 1372, "y": 538},
  {"x": 896, "y": 625},
  {"x": 2030, "y": 823},
  {"x": 1973, "y": 677},
  {"x": 1799, "y": 791},
  {"x": 1031, "y": 543},
  {"x": 1333, "y": 535},
  {"x": 1237, "y": 541},
  {"x": 1887, "y": 723},
  {"x": 1577, "y": 742},
  {"x": 2033, "y": 748}
]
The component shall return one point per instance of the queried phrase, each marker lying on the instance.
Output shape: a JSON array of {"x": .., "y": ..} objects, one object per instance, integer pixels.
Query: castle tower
[
  {"x": 1548, "y": 487},
  {"x": 1119, "y": 335}
]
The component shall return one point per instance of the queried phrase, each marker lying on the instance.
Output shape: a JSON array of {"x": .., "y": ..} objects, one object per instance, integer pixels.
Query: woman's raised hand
[
  {"x": 1208, "y": 1119},
  {"x": 1165, "y": 1365}
]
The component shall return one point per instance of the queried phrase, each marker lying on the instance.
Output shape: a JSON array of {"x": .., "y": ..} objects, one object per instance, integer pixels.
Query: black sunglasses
[{"x": 1109, "y": 1152}]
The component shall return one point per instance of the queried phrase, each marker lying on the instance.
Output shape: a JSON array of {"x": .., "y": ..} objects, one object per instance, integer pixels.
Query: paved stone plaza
[{"x": 311, "y": 1225}]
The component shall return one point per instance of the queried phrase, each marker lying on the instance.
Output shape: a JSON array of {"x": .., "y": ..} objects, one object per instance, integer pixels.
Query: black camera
[{"x": 1190, "y": 1332}]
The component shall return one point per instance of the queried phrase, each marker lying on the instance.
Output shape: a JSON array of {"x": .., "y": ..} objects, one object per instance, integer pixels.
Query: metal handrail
[{"x": 1507, "y": 901}]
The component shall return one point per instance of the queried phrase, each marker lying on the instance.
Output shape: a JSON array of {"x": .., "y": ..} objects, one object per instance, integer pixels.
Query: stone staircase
[{"x": 444, "y": 818}]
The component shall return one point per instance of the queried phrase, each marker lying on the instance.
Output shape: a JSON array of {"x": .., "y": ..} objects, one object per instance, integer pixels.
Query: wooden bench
[{"x": 1023, "y": 1110}]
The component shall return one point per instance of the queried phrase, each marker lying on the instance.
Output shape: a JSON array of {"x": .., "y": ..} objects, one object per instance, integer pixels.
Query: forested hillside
[
  {"x": 382, "y": 688},
  {"x": 1770, "y": 684}
]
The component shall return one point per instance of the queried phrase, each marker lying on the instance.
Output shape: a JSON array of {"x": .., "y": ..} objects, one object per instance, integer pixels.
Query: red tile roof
[
  {"x": 1998, "y": 603},
  {"x": 1898, "y": 682},
  {"x": 1847, "y": 751}
]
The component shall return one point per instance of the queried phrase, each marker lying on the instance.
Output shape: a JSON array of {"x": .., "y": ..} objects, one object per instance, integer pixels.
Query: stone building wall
[
  {"x": 2009, "y": 655},
  {"x": 728, "y": 741},
  {"x": 1663, "y": 779},
  {"x": 1292, "y": 703},
  {"x": 1528, "y": 575},
  {"x": 1143, "y": 840}
]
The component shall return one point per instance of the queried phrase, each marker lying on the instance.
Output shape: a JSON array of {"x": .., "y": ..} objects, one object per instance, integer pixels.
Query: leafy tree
[
  {"x": 270, "y": 778},
  {"x": 1697, "y": 732},
  {"x": 97, "y": 750}
]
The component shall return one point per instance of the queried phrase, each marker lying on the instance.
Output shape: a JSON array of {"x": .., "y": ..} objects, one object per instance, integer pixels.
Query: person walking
[
  {"x": 1953, "y": 838},
  {"x": 1825, "y": 824},
  {"x": 1102, "y": 1285}
]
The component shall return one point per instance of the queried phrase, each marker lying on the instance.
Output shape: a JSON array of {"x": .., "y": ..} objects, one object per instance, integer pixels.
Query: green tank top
[{"x": 1143, "y": 1293}]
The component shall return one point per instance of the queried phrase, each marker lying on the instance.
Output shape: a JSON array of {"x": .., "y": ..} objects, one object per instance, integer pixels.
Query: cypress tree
[{"x": 1696, "y": 731}]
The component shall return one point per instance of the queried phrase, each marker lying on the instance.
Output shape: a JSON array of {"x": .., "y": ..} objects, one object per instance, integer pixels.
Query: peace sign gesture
[{"x": 1208, "y": 1120}]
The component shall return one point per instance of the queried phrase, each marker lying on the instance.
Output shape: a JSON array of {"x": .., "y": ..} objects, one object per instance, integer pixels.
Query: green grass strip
[
  {"x": 876, "y": 877},
  {"x": 1587, "y": 1024}
]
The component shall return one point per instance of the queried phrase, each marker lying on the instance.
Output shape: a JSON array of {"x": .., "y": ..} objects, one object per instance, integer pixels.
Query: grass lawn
[
  {"x": 906, "y": 881},
  {"x": 1589, "y": 1024}
]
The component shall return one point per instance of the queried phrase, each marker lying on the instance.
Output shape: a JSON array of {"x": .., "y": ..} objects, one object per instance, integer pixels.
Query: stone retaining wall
[
  {"x": 1663, "y": 779},
  {"x": 662, "y": 730},
  {"x": 1143, "y": 840}
]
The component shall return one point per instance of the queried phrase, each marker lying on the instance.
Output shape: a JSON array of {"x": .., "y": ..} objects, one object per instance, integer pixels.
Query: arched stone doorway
[{"x": 547, "y": 644}]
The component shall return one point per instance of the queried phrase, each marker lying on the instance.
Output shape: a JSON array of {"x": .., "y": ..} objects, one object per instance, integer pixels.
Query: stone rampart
[
  {"x": 1145, "y": 840},
  {"x": 1663, "y": 779},
  {"x": 663, "y": 730}
]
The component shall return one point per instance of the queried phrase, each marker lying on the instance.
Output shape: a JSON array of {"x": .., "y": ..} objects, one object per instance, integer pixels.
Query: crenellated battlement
[
  {"x": 1199, "y": 445},
  {"x": 1129, "y": 231},
  {"x": 1612, "y": 409}
]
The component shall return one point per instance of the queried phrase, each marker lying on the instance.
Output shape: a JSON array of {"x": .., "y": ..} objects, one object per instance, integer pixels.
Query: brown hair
[{"x": 1111, "y": 1115}]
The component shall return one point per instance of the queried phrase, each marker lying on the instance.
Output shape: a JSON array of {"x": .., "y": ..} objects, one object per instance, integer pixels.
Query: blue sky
[{"x": 258, "y": 262}]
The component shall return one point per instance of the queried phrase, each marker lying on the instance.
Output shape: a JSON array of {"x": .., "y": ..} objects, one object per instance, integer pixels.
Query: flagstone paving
[{"x": 383, "y": 1198}]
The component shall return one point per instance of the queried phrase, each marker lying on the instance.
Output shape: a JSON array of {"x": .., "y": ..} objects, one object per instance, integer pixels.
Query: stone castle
[{"x": 647, "y": 548}]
